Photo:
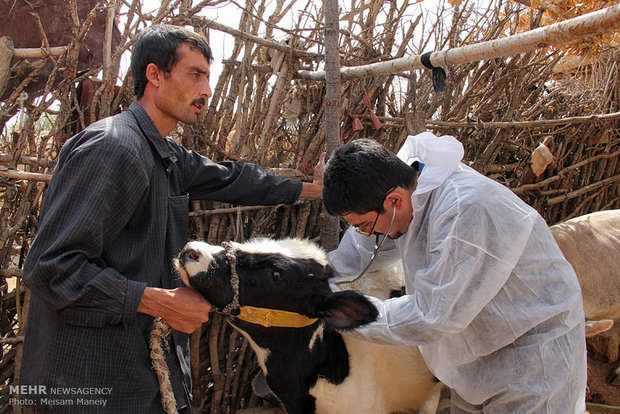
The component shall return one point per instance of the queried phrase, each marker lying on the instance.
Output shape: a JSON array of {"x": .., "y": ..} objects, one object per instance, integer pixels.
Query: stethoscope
[{"x": 378, "y": 246}]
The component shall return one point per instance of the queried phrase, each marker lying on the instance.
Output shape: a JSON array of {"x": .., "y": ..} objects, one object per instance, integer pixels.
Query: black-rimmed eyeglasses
[
  {"x": 379, "y": 240},
  {"x": 372, "y": 229}
]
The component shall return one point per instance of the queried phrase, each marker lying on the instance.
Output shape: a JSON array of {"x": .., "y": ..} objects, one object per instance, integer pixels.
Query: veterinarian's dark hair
[
  {"x": 359, "y": 174},
  {"x": 158, "y": 44}
]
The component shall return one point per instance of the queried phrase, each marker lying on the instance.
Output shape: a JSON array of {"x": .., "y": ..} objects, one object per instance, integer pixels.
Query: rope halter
[{"x": 234, "y": 280}]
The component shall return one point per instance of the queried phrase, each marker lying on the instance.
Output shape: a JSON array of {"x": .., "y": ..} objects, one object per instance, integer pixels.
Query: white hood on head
[{"x": 440, "y": 156}]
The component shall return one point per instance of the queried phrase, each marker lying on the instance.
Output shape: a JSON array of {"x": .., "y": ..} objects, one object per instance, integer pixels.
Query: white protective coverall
[{"x": 493, "y": 304}]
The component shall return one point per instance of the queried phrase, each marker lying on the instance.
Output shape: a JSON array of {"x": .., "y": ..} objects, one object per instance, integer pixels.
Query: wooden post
[
  {"x": 414, "y": 123},
  {"x": 6, "y": 54},
  {"x": 329, "y": 224},
  {"x": 37, "y": 52},
  {"x": 194, "y": 345}
]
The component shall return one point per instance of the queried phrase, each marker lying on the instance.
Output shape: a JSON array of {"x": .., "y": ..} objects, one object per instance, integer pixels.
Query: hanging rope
[{"x": 158, "y": 342}]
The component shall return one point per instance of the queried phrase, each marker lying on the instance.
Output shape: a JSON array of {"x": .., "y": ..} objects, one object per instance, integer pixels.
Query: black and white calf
[{"x": 284, "y": 306}]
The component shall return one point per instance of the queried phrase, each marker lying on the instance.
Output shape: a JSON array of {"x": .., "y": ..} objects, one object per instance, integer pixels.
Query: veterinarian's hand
[{"x": 184, "y": 309}]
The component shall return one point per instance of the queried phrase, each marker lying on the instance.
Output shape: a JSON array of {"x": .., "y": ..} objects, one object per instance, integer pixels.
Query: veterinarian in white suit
[{"x": 491, "y": 301}]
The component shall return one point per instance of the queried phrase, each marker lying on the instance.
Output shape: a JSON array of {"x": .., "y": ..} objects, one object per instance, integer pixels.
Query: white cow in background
[{"x": 591, "y": 244}]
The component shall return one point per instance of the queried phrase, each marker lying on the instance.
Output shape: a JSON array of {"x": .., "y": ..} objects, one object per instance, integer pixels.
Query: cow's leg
[{"x": 614, "y": 377}]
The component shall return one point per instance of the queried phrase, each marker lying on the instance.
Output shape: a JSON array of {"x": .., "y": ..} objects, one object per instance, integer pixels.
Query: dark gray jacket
[{"x": 114, "y": 215}]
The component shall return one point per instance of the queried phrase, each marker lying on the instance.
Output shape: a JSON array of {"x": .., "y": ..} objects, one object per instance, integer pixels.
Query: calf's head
[
  {"x": 289, "y": 275},
  {"x": 285, "y": 283}
]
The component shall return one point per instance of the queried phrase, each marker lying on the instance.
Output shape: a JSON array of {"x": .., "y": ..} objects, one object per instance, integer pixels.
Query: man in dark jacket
[{"x": 115, "y": 213}]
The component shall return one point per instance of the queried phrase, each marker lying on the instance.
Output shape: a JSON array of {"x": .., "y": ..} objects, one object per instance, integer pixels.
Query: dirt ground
[
  {"x": 603, "y": 359},
  {"x": 599, "y": 391}
]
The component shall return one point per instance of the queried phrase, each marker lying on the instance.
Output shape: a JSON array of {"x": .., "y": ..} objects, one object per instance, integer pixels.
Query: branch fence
[{"x": 551, "y": 137}]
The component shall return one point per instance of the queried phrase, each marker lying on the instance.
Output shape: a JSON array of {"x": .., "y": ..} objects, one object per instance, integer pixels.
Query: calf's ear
[{"x": 347, "y": 310}]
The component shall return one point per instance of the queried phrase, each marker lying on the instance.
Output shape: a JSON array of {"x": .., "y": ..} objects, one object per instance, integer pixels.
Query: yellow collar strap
[{"x": 274, "y": 317}]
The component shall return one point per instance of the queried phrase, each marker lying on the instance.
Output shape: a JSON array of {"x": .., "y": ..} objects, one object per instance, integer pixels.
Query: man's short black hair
[
  {"x": 358, "y": 176},
  {"x": 158, "y": 44}
]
